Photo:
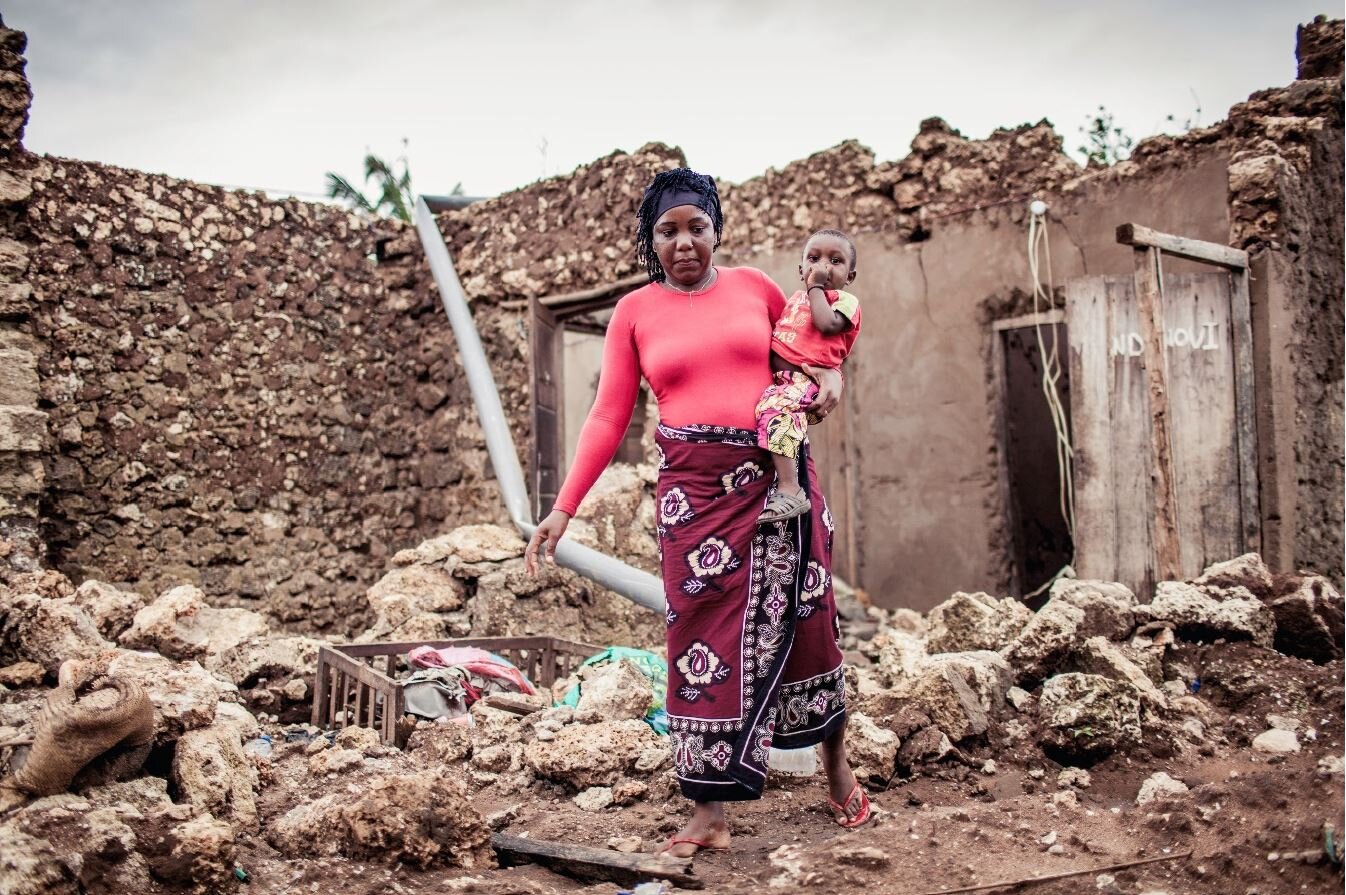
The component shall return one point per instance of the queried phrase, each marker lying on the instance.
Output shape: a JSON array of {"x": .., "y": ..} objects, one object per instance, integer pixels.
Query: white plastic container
[{"x": 794, "y": 762}]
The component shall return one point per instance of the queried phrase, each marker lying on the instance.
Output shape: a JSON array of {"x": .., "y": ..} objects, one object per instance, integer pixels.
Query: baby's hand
[{"x": 818, "y": 276}]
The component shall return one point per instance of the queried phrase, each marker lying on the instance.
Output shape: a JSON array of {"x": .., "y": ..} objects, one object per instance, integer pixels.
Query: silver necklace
[{"x": 714, "y": 277}]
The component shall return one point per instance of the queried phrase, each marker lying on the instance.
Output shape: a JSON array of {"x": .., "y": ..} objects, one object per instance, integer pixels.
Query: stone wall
[
  {"x": 240, "y": 393},
  {"x": 262, "y": 396},
  {"x": 22, "y": 425}
]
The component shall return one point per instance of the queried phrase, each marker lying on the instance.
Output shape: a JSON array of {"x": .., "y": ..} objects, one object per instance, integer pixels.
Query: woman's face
[{"x": 684, "y": 240}]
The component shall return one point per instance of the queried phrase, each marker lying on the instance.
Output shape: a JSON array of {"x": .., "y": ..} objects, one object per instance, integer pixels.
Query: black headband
[{"x": 673, "y": 198}]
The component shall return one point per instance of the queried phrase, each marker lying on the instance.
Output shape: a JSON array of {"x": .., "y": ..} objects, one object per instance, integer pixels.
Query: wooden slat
[
  {"x": 593, "y": 863},
  {"x": 338, "y": 701},
  {"x": 387, "y": 724},
  {"x": 1129, "y": 432},
  {"x": 1089, "y": 326},
  {"x": 1150, "y": 305},
  {"x": 321, "y": 686},
  {"x": 1200, "y": 391},
  {"x": 597, "y": 292},
  {"x": 1245, "y": 404},
  {"x": 1192, "y": 249},
  {"x": 494, "y": 644},
  {"x": 397, "y": 707},
  {"x": 1042, "y": 318},
  {"x": 507, "y": 702},
  {"x": 360, "y": 689}
]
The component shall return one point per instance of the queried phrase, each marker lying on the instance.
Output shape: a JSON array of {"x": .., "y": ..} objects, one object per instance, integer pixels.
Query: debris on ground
[{"x": 1096, "y": 729}]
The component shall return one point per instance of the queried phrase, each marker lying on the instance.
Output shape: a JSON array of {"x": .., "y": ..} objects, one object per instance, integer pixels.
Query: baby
[{"x": 818, "y": 328}]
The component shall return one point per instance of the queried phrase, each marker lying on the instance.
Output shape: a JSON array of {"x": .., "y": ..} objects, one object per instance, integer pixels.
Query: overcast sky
[{"x": 273, "y": 93}]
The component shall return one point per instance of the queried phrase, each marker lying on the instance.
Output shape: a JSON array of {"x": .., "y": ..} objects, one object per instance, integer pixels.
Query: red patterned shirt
[{"x": 798, "y": 341}]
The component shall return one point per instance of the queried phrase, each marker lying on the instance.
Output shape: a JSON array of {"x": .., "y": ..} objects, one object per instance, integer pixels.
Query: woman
[{"x": 752, "y": 653}]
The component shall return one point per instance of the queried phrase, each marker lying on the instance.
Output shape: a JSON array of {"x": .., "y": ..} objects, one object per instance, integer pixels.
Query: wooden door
[
  {"x": 547, "y": 442},
  {"x": 831, "y": 445},
  {"x": 1114, "y": 493}
]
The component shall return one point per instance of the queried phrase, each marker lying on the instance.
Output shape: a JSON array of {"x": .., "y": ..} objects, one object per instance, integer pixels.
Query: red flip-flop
[{"x": 844, "y": 816}]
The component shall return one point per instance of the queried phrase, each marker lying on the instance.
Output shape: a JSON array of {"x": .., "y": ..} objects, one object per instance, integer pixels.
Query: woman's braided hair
[{"x": 678, "y": 179}]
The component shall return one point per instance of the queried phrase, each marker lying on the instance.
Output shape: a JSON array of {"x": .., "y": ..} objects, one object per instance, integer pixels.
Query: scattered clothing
[
  {"x": 489, "y": 673},
  {"x": 434, "y": 693},
  {"x": 448, "y": 681}
]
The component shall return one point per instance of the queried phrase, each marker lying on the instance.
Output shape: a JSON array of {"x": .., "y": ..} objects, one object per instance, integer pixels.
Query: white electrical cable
[{"x": 1039, "y": 251}]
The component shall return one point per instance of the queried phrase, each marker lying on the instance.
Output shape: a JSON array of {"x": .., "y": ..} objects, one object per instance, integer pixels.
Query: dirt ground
[{"x": 1249, "y": 821}]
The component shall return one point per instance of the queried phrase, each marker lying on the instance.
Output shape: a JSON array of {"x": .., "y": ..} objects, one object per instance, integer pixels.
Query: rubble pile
[
  {"x": 978, "y": 686},
  {"x": 471, "y": 581},
  {"x": 1091, "y": 673}
]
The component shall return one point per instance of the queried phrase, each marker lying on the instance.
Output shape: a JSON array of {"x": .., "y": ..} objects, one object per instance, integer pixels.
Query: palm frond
[
  {"x": 340, "y": 188},
  {"x": 392, "y": 187}
]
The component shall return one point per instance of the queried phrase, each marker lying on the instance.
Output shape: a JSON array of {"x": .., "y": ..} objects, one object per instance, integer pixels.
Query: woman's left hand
[{"x": 830, "y": 387}]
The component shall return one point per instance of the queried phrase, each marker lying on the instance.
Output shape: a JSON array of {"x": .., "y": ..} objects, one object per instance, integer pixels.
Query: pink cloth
[
  {"x": 707, "y": 357},
  {"x": 782, "y": 423},
  {"x": 476, "y": 661}
]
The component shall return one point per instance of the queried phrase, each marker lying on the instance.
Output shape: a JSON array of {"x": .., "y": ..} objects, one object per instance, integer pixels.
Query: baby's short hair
[{"x": 850, "y": 244}]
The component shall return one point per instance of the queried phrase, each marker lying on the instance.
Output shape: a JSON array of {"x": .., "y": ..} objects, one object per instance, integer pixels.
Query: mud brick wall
[{"x": 1286, "y": 198}]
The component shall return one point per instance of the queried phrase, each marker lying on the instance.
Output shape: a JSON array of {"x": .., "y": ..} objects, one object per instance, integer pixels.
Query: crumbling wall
[
  {"x": 942, "y": 234},
  {"x": 234, "y": 391},
  {"x": 1285, "y": 186},
  {"x": 945, "y": 174},
  {"x": 240, "y": 394},
  {"x": 22, "y": 425},
  {"x": 262, "y": 396}
]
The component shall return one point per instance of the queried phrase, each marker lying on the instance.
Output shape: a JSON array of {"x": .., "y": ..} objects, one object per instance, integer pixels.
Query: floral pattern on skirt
[{"x": 752, "y": 628}]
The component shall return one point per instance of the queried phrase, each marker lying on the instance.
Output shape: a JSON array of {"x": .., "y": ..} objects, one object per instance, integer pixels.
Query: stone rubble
[
  {"x": 422, "y": 819},
  {"x": 1090, "y": 674},
  {"x": 1159, "y": 785},
  {"x": 615, "y": 691}
]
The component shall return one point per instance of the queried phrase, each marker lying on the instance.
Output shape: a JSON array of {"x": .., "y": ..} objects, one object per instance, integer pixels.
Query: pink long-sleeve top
[{"x": 705, "y": 356}]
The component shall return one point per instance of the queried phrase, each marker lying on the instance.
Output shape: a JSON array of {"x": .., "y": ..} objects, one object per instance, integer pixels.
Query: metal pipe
[
  {"x": 450, "y": 203},
  {"x": 638, "y": 586}
]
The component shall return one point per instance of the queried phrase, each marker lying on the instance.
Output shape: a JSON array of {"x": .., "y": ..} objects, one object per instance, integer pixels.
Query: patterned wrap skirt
[{"x": 753, "y": 660}]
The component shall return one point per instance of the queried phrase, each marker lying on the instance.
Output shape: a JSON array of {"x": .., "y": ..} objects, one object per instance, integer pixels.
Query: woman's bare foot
[
  {"x": 840, "y": 778},
  {"x": 837, "y": 765},
  {"x": 708, "y": 826}
]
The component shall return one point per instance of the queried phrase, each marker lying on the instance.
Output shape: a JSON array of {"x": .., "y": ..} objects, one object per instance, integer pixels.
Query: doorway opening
[
  {"x": 566, "y": 341},
  {"x": 1033, "y": 486}
]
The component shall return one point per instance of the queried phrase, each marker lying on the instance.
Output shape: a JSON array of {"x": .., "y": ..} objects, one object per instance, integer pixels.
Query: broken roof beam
[
  {"x": 605, "y": 291},
  {"x": 594, "y": 863},
  {"x": 1181, "y": 247}
]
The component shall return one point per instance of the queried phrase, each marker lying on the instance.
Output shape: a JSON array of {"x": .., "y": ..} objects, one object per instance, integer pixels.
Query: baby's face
[{"x": 830, "y": 254}]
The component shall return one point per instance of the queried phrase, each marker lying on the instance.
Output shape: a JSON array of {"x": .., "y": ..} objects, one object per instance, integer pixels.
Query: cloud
[{"x": 274, "y": 94}]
